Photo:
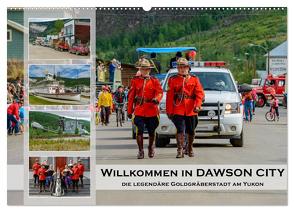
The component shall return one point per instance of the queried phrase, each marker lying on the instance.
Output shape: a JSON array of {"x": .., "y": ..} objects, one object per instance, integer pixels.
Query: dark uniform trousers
[
  {"x": 186, "y": 124},
  {"x": 151, "y": 124}
]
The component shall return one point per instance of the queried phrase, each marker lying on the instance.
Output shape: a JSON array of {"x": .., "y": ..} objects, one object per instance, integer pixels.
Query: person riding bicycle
[
  {"x": 275, "y": 105},
  {"x": 119, "y": 98}
]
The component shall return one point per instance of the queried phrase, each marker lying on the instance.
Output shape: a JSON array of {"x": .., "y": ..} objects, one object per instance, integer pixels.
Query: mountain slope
[{"x": 218, "y": 35}]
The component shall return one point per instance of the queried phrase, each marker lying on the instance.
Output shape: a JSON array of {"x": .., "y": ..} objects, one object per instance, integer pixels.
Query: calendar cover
[{"x": 123, "y": 106}]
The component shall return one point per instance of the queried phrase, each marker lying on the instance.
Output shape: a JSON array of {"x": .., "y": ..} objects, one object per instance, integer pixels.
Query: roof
[
  {"x": 280, "y": 51},
  {"x": 16, "y": 26},
  {"x": 165, "y": 50}
]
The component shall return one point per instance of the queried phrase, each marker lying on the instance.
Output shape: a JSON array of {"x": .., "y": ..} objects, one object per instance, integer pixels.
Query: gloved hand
[
  {"x": 170, "y": 116},
  {"x": 197, "y": 109},
  {"x": 155, "y": 101},
  {"x": 130, "y": 116}
]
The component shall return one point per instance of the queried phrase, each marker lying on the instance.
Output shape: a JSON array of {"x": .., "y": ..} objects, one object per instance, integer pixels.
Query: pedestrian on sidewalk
[
  {"x": 105, "y": 105},
  {"x": 248, "y": 105}
]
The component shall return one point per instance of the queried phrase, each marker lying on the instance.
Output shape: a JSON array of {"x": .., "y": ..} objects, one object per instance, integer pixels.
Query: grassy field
[
  {"x": 37, "y": 101},
  {"x": 59, "y": 145},
  {"x": 40, "y": 134}
]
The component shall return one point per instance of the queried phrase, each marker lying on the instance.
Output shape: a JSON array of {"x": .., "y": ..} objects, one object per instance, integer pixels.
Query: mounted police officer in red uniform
[
  {"x": 183, "y": 102},
  {"x": 143, "y": 99}
]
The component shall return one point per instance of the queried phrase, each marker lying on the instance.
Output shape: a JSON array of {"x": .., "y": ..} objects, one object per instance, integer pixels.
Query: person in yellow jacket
[{"x": 105, "y": 105}]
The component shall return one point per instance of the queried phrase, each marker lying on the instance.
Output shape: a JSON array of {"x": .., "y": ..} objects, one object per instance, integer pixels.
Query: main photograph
[{"x": 191, "y": 86}]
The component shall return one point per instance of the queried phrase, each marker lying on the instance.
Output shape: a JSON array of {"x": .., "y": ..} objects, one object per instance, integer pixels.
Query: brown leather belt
[
  {"x": 184, "y": 96},
  {"x": 140, "y": 100}
]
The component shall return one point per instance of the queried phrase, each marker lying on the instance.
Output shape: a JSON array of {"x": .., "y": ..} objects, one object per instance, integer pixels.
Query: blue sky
[{"x": 66, "y": 71}]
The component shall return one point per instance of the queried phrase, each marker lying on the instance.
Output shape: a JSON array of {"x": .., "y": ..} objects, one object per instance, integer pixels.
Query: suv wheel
[
  {"x": 161, "y": 142},
  {"x": 237, "y": 142}
]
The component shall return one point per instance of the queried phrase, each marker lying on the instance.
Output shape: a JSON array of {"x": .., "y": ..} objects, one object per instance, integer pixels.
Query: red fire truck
[{"x": 271, "y": 85}]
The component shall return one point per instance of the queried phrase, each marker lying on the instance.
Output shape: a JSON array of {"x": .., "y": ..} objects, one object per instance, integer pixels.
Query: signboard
[{"x": 278, "y": 65}]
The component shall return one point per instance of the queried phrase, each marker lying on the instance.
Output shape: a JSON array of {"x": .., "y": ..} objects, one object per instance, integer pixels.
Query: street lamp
[{"x": 268, "y": 55}]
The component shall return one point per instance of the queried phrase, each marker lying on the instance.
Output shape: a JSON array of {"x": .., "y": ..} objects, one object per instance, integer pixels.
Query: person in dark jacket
[
  {"x": 156, "y": 63},
  {"x": 175, "y": 59}
]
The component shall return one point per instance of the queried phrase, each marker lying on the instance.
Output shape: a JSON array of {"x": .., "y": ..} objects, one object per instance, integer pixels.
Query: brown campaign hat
[
  {"x": 144, "y": 63},
  {"x": 182, "y": 62}
]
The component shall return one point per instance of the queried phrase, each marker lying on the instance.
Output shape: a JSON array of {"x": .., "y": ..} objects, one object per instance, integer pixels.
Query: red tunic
[
  {"x": 140, "y": 96},
  {"x": 81, "y": 168},
  {"x": 36, "y": 167},
  {"x": 75, "y": 173},
  {"x": 183, "y": 95},
  {"x": 42, "y": 173},
  {"x": 13, "y": 109}
]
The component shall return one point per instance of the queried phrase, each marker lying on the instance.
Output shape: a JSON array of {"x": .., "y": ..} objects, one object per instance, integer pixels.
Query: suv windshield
[{"x": 212, "y": 81}]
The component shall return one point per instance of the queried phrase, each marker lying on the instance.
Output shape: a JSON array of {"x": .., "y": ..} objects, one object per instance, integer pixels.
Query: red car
[
  {"x": 61, "y": 46},
  {"x": 79, "y": 49}
]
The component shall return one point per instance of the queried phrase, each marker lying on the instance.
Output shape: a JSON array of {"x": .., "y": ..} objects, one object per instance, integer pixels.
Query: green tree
[
  {"x": 58, "y": 25},
  {"x": 76, "y": 131}
]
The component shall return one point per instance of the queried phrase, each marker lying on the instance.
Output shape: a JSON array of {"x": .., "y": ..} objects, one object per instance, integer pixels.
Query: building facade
[{"x": 15, "y": 35}]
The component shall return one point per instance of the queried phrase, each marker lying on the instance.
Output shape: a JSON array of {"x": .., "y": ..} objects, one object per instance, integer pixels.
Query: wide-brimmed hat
[
  {"x": 182, "y": 62},
  {"x": 144, "y": 63}
]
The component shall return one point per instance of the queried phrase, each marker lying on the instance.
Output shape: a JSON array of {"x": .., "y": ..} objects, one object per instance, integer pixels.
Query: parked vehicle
[
  {"x": 271, "y": 85},
  {"x": 62, "y": 46},
  {"x": 45, "y": 43},
  {"x": 53, "y": 43},
  {"x": 79, "y": 49}
]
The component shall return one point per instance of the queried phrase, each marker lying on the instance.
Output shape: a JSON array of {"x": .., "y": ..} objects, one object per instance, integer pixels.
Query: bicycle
[
  {"x": 271, "y": 115},
  {"x": 119, "y": 113}
]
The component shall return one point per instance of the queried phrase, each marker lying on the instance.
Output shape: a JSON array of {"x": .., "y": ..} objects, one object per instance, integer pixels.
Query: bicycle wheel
[
  {"x": 120, "y": 117},
  {"x": 270, "y": 116},
  {"x": 117, "y": 118}
]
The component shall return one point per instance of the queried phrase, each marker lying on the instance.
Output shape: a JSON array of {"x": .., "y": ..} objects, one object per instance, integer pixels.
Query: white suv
[{"x": 222, "y": 111}]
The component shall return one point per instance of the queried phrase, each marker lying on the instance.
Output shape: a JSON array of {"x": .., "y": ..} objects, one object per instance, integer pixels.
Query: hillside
[
  {"x": 218, "y": 35},
  {"x": 42, "y": 29},
  {"x": 69, "y": 82},
  {"x": 51, "y": 120}
]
